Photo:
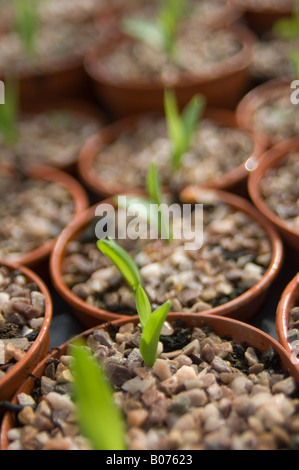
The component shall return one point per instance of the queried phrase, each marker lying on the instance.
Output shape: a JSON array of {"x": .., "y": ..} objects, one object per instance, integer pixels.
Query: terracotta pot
[
  {"x": 14, "y": 378},
  {"x": 224, "y": 327},
  {"x": 256, "y": 98},
  {"x": 272, "y": 159},
  {"x": 262, "y": 19},
  {"x": 38, "y": 258},
  {"x": 234, "y": 181},
  {"x": 223, "y": 88},
  {"x": 243, "y": 307},
  {"x": 80, "y": 108},
  {"x": 288, "y": 300}
]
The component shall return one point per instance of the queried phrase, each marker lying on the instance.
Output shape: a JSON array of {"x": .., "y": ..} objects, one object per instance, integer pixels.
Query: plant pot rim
[
  {"x": 239, "y": 61},
  {"x": 188, "y": 195},
  {"x": 238, "y": 331},
  {"x": 107, "y": 135},
  {"x": 44, "y": 331},
  {"x": 271, "y": 159},
  {"x": 287, "y": 301},
  {"x": 80, "y": 199},
  {"x": 253, "y": 100}
]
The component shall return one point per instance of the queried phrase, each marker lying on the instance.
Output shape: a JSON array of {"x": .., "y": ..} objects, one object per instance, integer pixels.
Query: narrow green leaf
[
  {"x": 99, "y": 419},
  {"x": 146, "y": 31},
  {"x": 122, "y": 260},
  {"x": 143, "y": 306},
  {"x": 191, "y": 117},
  {"x": 151, "y": 334},
  {"x": 153, "y": 184},
  {"x": 27, "y": 22}
]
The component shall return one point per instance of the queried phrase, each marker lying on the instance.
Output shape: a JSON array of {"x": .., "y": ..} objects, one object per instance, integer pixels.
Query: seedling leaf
[
  {"x": 26, "y": 23},
  {"x": 122, "y": 260},
  {"x": 181, "y": 127},
  {"x": 151, "y": 334},
  {"x": 146, "y": 31},
  {"x": 100, "y": 420},
  {"x": 143, "y": 306}
]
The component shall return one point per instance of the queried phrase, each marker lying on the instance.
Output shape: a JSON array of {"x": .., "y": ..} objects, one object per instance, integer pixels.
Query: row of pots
[
  {"x": 223, "y": 87},
  {"x": 243, "y": 308}
]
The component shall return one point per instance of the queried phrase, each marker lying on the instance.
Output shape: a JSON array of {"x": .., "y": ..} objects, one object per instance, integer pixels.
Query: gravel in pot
[
  {"x": 35, "y": 207},
  {"x": 206, "y": 391},
  {"x": 21, "y": 318},
  {"x": 51, "y": 136},
  {"x": 119, "y": 158},
  {"x": 25, "y": 316},
  {"x": 268, "y": 112}
]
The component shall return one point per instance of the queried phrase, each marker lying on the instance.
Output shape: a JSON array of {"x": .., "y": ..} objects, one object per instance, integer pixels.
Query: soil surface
[
  {"x": 280, "y": 190},
  {"x": 198, "y": 53},
  {"x": 215, "y": 150},
  {"x": 234, "y": 257},
  {"x": 22, "y": 309},
  {"x": 209, "y": 393},
  {"x": 53, "y": 138},
  {"x": 32, "y": 212}
]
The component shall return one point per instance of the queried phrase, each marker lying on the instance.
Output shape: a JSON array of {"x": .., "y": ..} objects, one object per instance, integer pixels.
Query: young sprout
[
  {"x": 151, "y": 208},
  {"x": 9, "y": 112},
  {"x": 162, "y": 32},
  {"x": 151, "y": 330},
  {"x": 99, "y": 418},
  {"x": 151, "y": 322},
  {"x": 181, "y": 127},
  {"x": 26, "y": 23}
]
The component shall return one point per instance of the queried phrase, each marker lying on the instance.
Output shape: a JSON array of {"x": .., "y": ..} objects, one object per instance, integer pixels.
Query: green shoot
[
  {"x": 294, "y": 58},
  {"x": 122, "y": 260},
  {"x": 181, "y": 127},
  {"x": 9, "y": 112},
  {"x": 151, "y": 208},
  {"x": 99, "y": 418},
  {"x": 152, "y": 329},
  {"x": 26, "y": 23},
  {"x": 288, "y": 28},
  {"x": 162, "y": 32},
  {"x": 151, "y": 323}
]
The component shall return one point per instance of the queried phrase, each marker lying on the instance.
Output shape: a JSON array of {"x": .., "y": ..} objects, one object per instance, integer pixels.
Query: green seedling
[
  {"x": 149, "y": 208},
  {"x": 162, "y": 32},
  {"x": 151, "y": 322},
  {"x": 288, "y": 28},
  {"x": 27, "y": 23},
  {"x": 99, "y": 418},
  {"x": 9, "y": 112},
  {"x": 181, "y": 127}
]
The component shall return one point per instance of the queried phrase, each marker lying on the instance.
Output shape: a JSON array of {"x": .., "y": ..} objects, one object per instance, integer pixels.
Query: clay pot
[
  {"x": 243, "y": 307},
  {"x": 262, "y": 19},
  {"x": 38, "y": 258},
  {"x": 223, "y": 88},
  {"x": 256, "y": 98},
  {"x": 288, "y": 300},
  {"x": 234, "y": 181},
  {"x": 14, "y": 378},
  {"x": 224, "y": 327},
  {"x": 273, "y": 159}
]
